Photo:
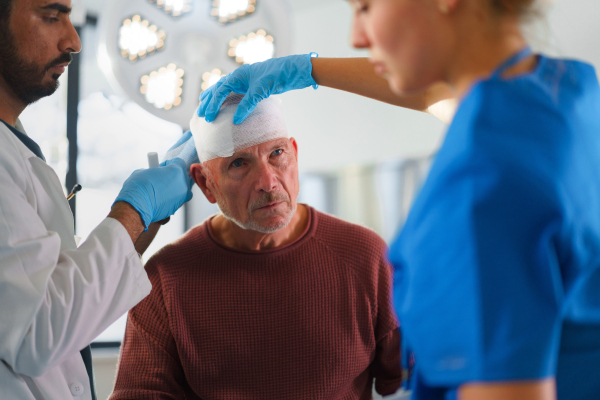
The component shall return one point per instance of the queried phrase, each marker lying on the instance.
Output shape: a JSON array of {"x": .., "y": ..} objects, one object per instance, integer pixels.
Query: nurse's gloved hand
[
  {"x": 257, "y": 81},
  {"x": 156, "y": 193}
]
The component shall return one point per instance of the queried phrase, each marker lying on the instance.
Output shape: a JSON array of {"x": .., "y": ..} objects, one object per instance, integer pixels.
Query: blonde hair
[{"x": 524, "y": 9}]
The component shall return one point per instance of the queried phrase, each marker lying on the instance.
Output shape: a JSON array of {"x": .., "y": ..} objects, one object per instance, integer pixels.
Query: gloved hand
[
  {"x": 156, "y": 193},
  {"x": 257, "y": 81},
  {"x": 184, "y": 149}
]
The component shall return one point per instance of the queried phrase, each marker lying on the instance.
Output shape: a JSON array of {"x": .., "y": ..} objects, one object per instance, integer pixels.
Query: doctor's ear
[{"x": 201, "y": 175}]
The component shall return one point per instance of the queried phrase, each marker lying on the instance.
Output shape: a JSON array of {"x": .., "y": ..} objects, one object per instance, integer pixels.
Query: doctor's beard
[{"x": 25, "y": 78}]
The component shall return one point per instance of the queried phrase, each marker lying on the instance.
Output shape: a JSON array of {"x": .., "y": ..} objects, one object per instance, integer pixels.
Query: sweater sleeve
[
  {"x": 386, "y": 367},
  {"x": 149, "y": 365}
]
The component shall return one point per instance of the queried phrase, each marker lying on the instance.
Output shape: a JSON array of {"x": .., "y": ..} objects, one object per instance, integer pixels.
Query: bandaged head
[{"x": 222, "y": 138}]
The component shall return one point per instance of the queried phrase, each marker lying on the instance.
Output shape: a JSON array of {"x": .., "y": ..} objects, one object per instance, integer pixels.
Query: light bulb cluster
[
  {"x": 138, "y": 38},
  {"x": 254, "y": 47},
  {"x": 176, "y": 8},
  {"x": 230, "y": 10},
  {"x": 210, "y": 78},
  {"x": 163, "y": 88}
]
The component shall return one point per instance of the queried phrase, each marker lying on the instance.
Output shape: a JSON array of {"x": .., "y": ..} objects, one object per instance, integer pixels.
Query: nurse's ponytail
[{"x": 520, "y": 8}]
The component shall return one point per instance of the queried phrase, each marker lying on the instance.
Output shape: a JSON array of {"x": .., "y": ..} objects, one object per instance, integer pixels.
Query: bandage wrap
[{"x": 221, "y": 138}]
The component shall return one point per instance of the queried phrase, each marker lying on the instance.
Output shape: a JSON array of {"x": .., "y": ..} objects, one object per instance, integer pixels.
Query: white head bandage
[{"x": 221, "y": 138}]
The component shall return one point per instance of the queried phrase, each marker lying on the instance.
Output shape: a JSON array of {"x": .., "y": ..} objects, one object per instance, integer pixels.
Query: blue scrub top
[{"x": 498, "y": 265}]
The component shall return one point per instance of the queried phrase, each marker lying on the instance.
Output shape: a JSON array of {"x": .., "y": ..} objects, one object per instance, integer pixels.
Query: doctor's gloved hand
[
  {"x": 156, "y": 193},
  {"x": 258, "y": 81}
]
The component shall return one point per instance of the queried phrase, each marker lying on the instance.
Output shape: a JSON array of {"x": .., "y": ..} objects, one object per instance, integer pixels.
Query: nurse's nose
[{"x": 358, "y": 37}]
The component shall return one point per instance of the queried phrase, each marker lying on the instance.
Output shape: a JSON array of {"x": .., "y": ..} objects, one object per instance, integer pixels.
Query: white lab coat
[{"x": 55, "y": 298}]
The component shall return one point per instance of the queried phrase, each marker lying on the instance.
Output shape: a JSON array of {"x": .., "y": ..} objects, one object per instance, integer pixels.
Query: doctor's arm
[
  {"x": 132, "y": 222},
  {"x": 56, "y": 298}
]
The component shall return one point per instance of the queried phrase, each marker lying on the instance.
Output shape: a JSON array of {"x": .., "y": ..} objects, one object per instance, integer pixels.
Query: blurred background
[{"x": 144, "y": 63}]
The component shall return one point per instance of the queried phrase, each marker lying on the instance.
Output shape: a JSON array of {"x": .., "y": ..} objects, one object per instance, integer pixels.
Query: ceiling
[{"x": 96, "y": 6}]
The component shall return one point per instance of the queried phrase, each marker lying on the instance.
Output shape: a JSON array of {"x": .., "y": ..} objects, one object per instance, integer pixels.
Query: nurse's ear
[{"x": 447, "y": 6}]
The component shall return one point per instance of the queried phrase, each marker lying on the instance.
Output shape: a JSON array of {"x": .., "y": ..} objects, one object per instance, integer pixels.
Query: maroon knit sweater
[{"x": 309, "y": 320}]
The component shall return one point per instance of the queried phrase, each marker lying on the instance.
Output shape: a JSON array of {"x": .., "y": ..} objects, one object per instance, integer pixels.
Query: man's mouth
[{"x": 269, "y": 206}]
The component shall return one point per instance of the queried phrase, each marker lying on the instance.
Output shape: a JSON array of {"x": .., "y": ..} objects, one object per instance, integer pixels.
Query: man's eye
[
  {"x": 237, "y": 163},
  {"x": 277, "y": 152}
]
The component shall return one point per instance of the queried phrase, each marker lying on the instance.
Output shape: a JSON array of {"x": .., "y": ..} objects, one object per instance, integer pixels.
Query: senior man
[{"x": 269, "y": 299}]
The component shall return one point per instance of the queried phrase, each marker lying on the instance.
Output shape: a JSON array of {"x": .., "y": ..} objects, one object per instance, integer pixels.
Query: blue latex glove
[
  {"x": 156, "y": 193},
  {"x": 257, "y": 81},
  {"x": 184, "y": 149}
]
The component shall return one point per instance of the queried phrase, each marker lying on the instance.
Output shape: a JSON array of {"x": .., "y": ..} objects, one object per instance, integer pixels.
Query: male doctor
[{"x": 56, "y": 298}]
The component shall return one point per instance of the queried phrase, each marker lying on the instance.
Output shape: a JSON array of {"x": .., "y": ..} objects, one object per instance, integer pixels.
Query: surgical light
[
  {"x": 210, "y": 78},
  {"x": 195, "y": 41},
  {"x": 255, "y": 47},
  {"x": 174, "y": 7},
  {"x": 163, "y": 88},
  {"x": 231, "y": 10},
  {"x": 138, "y": 38}
]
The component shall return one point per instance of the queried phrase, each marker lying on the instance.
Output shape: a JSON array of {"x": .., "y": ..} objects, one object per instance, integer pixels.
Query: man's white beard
[{"x": 254, "y": 225}]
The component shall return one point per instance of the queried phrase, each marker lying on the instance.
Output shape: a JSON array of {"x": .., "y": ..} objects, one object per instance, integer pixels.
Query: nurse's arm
[
  {"x": 356, "y": 75},
  {"x": 534, "y": 390}
]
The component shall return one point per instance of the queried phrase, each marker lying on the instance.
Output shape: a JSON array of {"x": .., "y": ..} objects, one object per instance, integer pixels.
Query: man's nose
[{"x": 266, "y": 179}]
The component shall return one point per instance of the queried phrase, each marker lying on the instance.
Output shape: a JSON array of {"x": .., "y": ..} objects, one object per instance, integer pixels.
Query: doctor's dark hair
[{"x": 5, "y": 9}]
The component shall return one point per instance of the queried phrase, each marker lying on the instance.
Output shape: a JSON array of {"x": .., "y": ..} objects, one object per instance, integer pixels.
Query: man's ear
[
  {"x": 199, "y": 173},
  {"x": 295, "y": 145}
]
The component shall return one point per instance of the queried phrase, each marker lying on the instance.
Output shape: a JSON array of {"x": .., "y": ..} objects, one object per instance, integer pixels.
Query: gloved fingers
[
  {"x": 184, "y": 138},
  {"x": 247, "y": 105},
  {"x": 176, "y": 162},
  {"x": 208, "y": 94},
  {"x": 211, "y": 89},
  {"x": 217, "y": 100}
]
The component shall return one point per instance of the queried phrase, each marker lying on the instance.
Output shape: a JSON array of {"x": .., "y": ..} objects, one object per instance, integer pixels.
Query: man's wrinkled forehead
[
  {"x": 250, "y": 152},
  {"x": 265, "y": 147}
]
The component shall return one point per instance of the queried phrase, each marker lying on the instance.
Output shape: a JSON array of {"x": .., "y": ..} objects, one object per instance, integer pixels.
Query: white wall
[{"x": 335, "y": 128}]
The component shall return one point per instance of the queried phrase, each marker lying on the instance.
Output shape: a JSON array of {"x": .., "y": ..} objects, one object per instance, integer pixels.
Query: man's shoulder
[
  {"x": 181, "y": 252},
  {"x": 354, "y": 242}
]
